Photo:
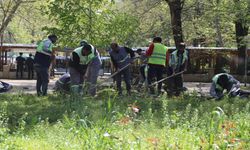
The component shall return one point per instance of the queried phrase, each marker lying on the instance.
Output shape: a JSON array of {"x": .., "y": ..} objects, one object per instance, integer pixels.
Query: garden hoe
[
  {"x": 175, "y": 74},
  {"x": 118, "y": 71}
]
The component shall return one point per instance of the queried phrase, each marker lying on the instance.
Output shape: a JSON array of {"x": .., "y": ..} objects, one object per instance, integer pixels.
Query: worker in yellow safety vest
[
  {"x": 78, "y": 64},
  {"x": 42, "y": 60},
  {"x": 157, "y": 54}
]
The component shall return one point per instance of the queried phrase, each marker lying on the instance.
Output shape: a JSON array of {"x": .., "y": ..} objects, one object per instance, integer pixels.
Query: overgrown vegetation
[{"x": 112, "y": 122}]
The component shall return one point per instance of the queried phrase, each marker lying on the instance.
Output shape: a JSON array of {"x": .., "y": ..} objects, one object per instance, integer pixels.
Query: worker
[
  {"x": 225, "y": 81},
  {"x": 42, "y": 62},
  {"x": 30, "y": 66},
  {"x": 157, "y": 54},
  {"x": 20, "y": 63},
  {"x": 143, "y": 66},
  {"x": 5, "y": 87},
  {"x": 93, "y": 69},
  {"x": 177, "y": 63},
  {"x": 78, "y": 64},
  {"x": 63, "y": 84},
  {"x": 120, "y": 59}
]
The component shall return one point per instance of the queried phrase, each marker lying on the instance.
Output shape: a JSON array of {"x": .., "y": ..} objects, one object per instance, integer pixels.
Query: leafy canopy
[{"x": 93, "y": 20}]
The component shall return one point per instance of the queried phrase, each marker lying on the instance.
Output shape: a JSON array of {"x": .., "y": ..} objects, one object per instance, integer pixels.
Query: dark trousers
[
  {"x": 42, "y": 80},
  {"x": 142, "y": 73},
  {"x": 126, "y": 75},
  {"x": 174, "y": 84},
  {"x": 155, "y": 71},
  {"x": 30, "y": 72},
  {"x": 19, "y": 69}
]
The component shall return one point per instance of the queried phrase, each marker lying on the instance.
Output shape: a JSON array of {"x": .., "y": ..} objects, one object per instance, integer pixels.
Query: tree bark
[
  {"x": 241, "y": 32},
  {"x": 175, "y": 7}
]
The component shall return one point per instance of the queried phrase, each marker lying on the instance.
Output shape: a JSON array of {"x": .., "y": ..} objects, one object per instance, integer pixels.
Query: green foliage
[
  {"x": 208, "y": 21},
  {"x": 92, "y": 20},
  {"x": 112, "y": 122},
  {"x": 154, "y": 20},
  {"x": 130, "y": 23},
  {"x": 26, "y": 25},
  {"x": 3, "y": 122}
]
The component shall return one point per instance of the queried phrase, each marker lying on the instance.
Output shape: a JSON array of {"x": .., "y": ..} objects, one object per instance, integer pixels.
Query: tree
[
  {"x": 175, "y": 7},
  {"x": 207, "y": 23},
  {"x": 242, "y": 21},
  {"x": 26, "y": 26},
  {"x": 154, "y": 20},
  {"x": 8, "y": 9},
  {"x": 93, "y": 20}
]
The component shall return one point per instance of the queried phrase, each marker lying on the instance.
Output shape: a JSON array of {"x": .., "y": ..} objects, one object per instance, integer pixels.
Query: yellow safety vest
[
  {"x": 158, "y": 56},
  {"x": 84, "y": 60},
  {"x": 40, "y": 48}
]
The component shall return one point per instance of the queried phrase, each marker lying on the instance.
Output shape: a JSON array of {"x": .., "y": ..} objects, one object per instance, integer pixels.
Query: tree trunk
[
  {"x": 217, "y": 24},
  {"x": 8, "y": 15},
  {"x": 1, "y": 52},
  {"x": 241, "y": 32},
  {"x": 175, "y": 7},
  {"x": 219, "y": 39}
]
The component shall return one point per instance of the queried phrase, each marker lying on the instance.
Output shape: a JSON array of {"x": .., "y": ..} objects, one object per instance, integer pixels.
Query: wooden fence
[{"x": 202, "y": 60}]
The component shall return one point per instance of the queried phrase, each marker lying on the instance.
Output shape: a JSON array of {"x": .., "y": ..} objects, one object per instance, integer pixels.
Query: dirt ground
[
  {"x": 26, "y": 86},
  {"x": 29, "y": 86}
]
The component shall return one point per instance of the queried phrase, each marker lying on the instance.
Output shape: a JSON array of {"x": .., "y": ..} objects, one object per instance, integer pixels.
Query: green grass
[{"x": 110, "y": 122}]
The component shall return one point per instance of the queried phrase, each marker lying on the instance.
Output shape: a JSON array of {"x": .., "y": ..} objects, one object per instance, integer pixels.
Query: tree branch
[{"x": 10, "y": 16}]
